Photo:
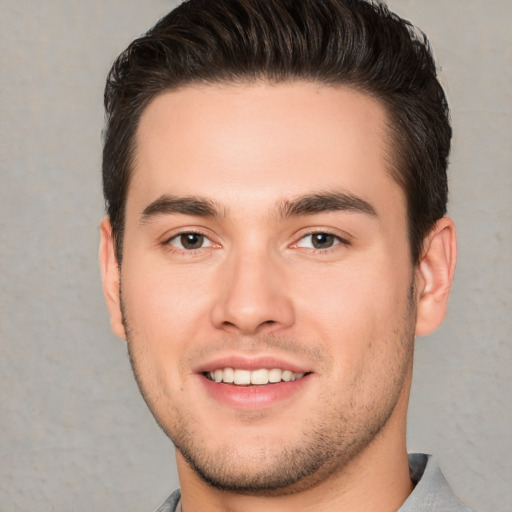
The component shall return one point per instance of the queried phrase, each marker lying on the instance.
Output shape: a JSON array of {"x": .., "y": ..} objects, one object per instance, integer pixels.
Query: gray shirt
[{"x": 431, "y": 492}]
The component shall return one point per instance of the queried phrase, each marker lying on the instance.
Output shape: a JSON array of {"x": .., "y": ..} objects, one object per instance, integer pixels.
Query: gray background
[{"x": 75, "y": 434}]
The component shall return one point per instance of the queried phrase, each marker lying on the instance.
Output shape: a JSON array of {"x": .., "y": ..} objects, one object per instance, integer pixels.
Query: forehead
[{"x": 223, "y": 141}]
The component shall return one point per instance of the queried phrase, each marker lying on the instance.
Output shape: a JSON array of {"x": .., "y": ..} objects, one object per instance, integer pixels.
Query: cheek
[
  {"x": 357, "y": 311},
  {"x": 164, "y": 307},
  {"x": 163, "y": 312}
]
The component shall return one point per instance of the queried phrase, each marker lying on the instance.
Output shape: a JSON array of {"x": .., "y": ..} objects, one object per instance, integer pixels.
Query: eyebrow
[
  {"x": 308, "y": 204},
  {"x": 324, "y": 202},
  {"x": 188, "y": 205}
]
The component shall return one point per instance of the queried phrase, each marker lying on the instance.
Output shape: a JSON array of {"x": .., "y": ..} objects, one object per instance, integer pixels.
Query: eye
[
  {"x": 319, "y": 241},
  {"x": 190, "y": 241}
]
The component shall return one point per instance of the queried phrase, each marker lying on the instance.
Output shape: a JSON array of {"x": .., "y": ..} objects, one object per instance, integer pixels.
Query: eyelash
[
  {"x": 181, "y": 250},
  {"x": 194, "y": 251},
  {"x": 339, "y": 240}
]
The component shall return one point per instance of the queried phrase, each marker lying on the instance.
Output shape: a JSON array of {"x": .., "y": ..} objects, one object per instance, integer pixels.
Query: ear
[
  {"x": 434, "y": 276},
  {"x": 111, "y": 278}
]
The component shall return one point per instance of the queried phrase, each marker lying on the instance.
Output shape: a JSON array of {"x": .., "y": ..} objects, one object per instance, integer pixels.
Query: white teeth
[
  {"x": 274, "y": 375},
  {"x": 228, "y": 375},
  {"x": 260, "y": 377},
  {"x": 242, "y": 377},
  {"x": 287, "y": 376}
]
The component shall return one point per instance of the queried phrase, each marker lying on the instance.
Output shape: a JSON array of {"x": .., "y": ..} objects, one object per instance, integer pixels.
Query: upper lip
[{"x": 251, "y": 362}]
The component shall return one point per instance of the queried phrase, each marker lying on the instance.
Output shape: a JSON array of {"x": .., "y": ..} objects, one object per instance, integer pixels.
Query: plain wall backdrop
[{"x": 75, "y": 433}]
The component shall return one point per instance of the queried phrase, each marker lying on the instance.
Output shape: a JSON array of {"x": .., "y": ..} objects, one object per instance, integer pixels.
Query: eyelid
[
  {"x": 176, "y": 233},
  {"x": 340, "y": 239},
  {"x": 179, "y": 235}
]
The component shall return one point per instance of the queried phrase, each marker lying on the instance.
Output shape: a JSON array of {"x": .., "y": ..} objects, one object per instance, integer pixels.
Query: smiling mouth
[{"x": 260, "y": 377}]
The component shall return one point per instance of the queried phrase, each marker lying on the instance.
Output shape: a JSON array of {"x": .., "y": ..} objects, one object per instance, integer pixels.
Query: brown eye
[
  {"x": 190, "y": 241},
  {"x": 322, "y": 240}
]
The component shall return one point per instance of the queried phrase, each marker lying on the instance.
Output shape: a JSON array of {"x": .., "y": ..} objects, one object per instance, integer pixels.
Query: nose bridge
[{"x": 252, "y": 294}]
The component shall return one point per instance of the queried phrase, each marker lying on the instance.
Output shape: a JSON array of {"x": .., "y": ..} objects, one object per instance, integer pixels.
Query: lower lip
[{"x": 252, "y": 397}]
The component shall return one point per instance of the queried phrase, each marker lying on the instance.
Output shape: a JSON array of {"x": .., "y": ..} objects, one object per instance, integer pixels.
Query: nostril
[{"x": 234, "y": 325}]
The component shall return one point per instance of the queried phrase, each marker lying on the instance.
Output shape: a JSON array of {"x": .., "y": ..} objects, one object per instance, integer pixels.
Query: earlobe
[
  {"x": 434, "y": 276},
  {"x": 111, "y": 278}
]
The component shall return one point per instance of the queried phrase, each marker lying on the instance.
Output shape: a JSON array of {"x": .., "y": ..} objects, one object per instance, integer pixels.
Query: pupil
[
  {"x": 191, "y": 240},
  {"x": 322, "y": 240}
]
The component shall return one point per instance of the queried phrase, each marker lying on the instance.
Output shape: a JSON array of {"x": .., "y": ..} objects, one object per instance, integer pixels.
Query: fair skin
[{"x": 265, "y": 232}]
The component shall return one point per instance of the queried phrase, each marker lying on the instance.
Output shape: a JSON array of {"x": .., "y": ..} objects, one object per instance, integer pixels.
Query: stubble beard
[
  {"x": 323, "y": 450},
  {"x": 333, "y": 438}
]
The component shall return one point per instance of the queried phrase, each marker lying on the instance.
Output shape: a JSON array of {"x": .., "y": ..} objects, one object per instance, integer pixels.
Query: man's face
[{"x": 266, "y": 239}]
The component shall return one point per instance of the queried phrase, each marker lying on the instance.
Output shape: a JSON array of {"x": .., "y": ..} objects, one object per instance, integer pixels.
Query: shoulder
[
  {"x": 170, "y": 504},
  {"x": 432, "y": 492}
]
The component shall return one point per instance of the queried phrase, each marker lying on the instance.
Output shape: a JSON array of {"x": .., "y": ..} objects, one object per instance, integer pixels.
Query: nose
[{"x": 252, "y": 296}]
